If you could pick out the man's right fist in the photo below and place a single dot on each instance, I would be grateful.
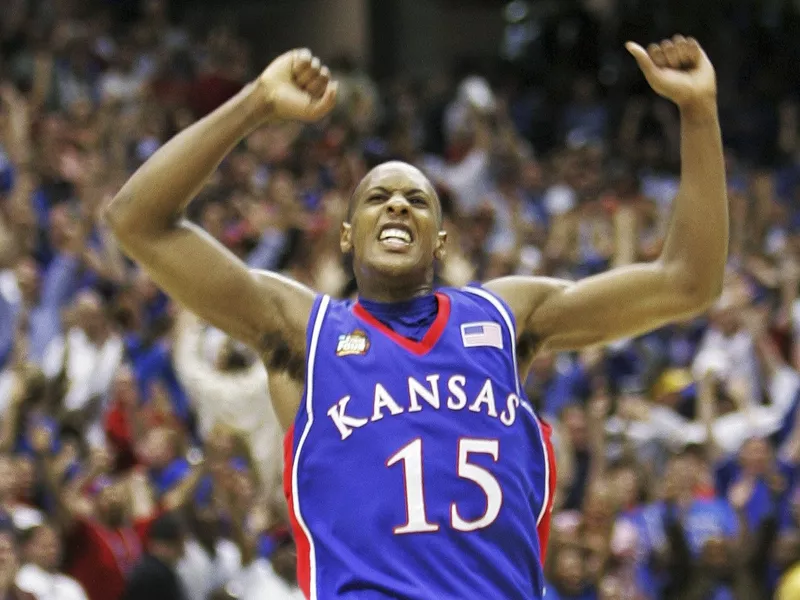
(297, 86)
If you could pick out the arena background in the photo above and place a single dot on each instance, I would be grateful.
(139, 457)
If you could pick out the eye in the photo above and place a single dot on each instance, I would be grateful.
(418, 201)
(376, 198)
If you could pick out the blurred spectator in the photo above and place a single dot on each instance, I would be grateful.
(211, 366)
(154, 577)
(40, 574)
(9, 567)
(88, 356)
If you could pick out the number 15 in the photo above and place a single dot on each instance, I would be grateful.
(411, 457)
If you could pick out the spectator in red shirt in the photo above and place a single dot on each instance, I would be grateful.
(104, 537)
(122, 421)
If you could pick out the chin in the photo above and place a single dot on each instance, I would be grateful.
(398, 266)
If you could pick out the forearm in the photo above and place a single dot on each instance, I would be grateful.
(152, 201)
(696, 246)
(180, 494)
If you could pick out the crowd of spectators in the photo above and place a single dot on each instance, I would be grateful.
(139, 457)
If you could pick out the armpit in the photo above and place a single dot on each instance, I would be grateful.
(527, 347)
(278, 355)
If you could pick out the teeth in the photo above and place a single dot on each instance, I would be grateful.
(394, 233)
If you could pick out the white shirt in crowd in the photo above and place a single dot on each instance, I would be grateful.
(730, 358)
(246, 406)
(201, 573)
(48, 586)
(730, 431)
(90, 371)
(258, 581)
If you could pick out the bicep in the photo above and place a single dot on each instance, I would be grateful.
(205, 277)
(623, 302)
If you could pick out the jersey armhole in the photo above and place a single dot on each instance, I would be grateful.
(506, 317)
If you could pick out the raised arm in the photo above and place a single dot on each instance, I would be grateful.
(261, 309)
(688, 275)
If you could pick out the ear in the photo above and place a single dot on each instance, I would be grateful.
(440, 251)
(346, 238)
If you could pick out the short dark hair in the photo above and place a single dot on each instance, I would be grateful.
(167, 528)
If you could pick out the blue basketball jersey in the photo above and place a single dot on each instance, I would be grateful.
(418, 470)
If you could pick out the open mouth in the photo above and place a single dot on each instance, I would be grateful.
(395, 236)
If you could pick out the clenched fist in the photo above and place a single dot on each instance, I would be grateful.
(678, 70)
(297, 86)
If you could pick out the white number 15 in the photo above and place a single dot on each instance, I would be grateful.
(411, 457)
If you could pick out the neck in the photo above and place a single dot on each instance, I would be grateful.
(389, 289)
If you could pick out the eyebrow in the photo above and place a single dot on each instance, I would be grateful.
(407, 191)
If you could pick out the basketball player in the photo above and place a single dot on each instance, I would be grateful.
(416, 468)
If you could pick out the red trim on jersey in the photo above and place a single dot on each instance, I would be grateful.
(543, 528)
(300, 540)
(432, 336)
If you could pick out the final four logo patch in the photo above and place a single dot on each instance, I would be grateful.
(356, 343)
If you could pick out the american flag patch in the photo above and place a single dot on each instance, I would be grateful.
(475, 335)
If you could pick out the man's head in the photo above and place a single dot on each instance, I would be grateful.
(167, 538)
(112, 504)
(569, 570)
(90, 315)
(160, 447)
(715, 556)
(756, 456)
(8, 477)
(9, 556)
(393, 229)
(42, 547)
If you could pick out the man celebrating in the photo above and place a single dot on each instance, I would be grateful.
(416, 468)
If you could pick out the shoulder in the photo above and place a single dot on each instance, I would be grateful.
(524, 294)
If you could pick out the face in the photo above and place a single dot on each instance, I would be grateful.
(714, 554)
(8, 479)
(575, 422)
(611, 588)
(394, 226)
(680, 477)
(157, 449)
(25, 476)
(569, 570)
(598, 506)
(756, 456)
(626, 484)
(89, 313)
(111, 502)
(44, 548)
(8, 554)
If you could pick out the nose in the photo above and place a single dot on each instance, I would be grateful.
(397, 205)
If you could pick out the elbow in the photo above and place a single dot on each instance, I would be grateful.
(698, 294)
(113, 216)
(695, 288)
(128, 222)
